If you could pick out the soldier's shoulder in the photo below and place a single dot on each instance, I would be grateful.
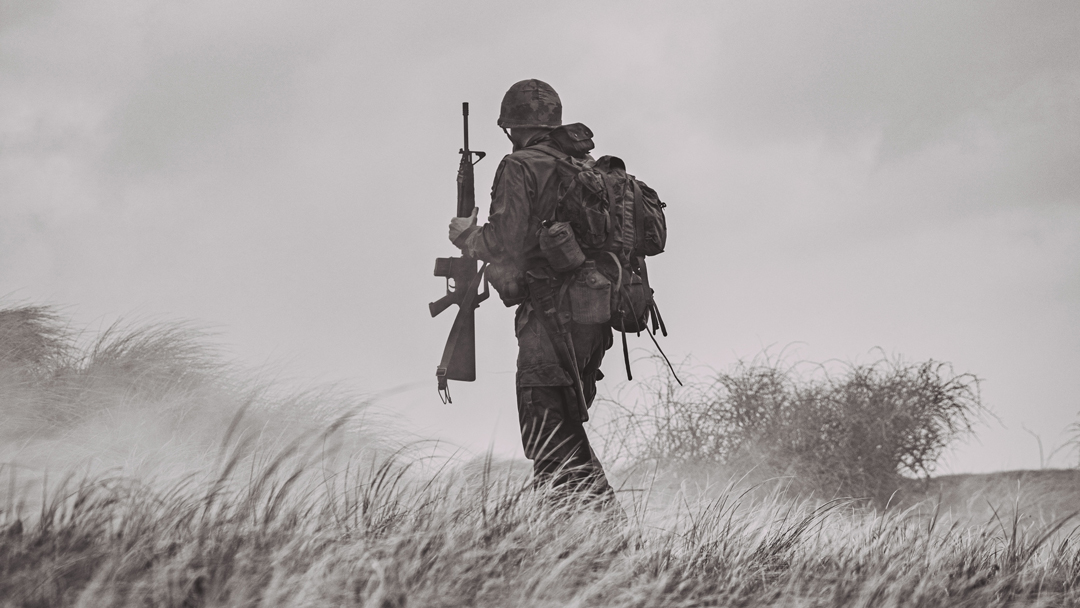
(526, 160)
(529, 156)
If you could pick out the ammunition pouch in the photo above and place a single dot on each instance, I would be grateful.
(508, 281)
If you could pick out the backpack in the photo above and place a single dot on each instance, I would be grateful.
(618, 221)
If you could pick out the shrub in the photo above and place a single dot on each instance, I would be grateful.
(856, 430)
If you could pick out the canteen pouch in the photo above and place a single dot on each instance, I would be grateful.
(590, 295)
(559, 246)
(631, 308)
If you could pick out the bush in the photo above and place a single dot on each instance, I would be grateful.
(857, 432)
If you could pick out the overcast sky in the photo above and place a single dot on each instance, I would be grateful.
(841, 176)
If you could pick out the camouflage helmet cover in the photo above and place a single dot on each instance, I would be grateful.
(530, 103)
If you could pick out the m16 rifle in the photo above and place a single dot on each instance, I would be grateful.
(462, 284)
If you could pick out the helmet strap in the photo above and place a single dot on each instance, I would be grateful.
(540, 133)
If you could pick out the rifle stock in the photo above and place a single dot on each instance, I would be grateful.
(462, 282)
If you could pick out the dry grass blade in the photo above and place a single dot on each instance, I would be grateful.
(283, 513)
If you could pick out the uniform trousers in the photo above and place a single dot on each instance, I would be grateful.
(552, 430)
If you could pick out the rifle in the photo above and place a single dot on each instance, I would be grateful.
(462, 281)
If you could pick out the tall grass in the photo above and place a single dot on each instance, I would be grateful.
(144, 400)
(287, 501)
(378, 537)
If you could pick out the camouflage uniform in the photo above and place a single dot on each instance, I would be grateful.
(525, 191)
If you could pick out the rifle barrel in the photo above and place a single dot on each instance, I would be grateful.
(465, 118)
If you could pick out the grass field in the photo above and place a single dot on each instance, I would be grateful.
(170, 483)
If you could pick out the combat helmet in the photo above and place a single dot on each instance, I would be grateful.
(530, 103)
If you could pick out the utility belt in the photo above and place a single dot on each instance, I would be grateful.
(596, 289)
(561, 261)
(583, 296)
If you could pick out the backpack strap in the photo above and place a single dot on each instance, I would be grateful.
(618, 290)
(610, 189)
(639, 217)
(559, 157)
(653, 338)
(618, 283)
(626, 357)
(549, 150)
(654, 310)
(657, 321)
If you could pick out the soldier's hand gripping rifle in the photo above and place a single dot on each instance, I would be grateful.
(462, 282)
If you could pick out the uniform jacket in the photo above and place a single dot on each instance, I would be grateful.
(526, 190)
(524, 194)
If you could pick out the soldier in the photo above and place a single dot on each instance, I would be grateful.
(524, 194)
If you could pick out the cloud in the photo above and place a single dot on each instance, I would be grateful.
(284, 170)
(981, 94)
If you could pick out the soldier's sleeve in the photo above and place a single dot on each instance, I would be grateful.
(502, 238)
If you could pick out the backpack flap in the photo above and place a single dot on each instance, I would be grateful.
(574, 139)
